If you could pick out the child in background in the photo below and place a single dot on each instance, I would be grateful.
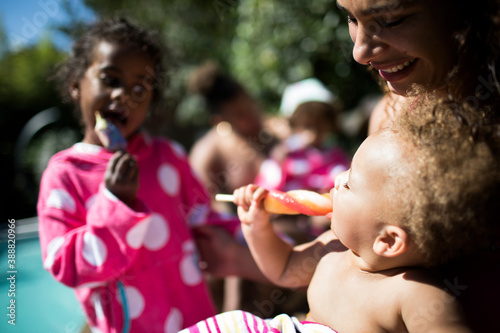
(419, 194)
(116, 226)
(311, 157)
(230, 153)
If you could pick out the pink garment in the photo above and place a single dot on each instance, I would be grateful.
(308, 169)
(243, 322)
(111, 253)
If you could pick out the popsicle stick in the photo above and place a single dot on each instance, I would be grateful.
(224, 197)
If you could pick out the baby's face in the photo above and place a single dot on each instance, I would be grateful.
(360, 195)
(118, 84)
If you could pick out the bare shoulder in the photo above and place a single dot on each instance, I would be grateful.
(204, 146)
(426, 306)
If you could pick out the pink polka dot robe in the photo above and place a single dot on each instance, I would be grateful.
(133, 268)
(307, 169)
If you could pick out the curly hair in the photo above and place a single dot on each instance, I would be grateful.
(450, 190)
(114, 30)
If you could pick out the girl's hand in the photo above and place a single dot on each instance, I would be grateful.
(122, 177)
(250, 201)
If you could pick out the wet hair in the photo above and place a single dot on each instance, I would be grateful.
(215, 86)
(449, 190)
(114, 30)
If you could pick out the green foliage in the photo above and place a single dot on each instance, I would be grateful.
(23, 81)
(24, 91)
(302, 39)
(266, 44)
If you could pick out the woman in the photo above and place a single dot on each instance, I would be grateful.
(444, 47)
(449, 50)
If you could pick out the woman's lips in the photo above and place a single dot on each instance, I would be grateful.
(398, 72)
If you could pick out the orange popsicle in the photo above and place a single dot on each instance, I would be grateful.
(292, 202)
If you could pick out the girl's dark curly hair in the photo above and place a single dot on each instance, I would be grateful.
(115, 30)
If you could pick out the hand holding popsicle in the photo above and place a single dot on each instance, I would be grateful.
(292, 202)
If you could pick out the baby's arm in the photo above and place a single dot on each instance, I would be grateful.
(279, 261)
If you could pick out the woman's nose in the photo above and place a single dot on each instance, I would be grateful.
(367, 43)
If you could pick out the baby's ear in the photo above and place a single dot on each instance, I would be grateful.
(391, 242)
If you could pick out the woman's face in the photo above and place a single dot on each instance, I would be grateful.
(406, 41)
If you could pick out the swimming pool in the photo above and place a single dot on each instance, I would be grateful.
(41, 303)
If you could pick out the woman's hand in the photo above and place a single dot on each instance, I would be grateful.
(122, 177)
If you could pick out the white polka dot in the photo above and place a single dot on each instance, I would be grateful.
(135, 236)
(299, 167)
(334, 172)
(157, 234)
(174, 321)
(110, 196)
(188, 247)
(94, 250)
(52, 249)
(169, 180)
(135, 302)
(95, 330)
(86, 148)
(90, 201)
(190, 271)
(61, 199)
(271, 172)
(91, 285)
(178, 149)
(96, 301)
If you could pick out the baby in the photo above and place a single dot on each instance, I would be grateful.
(419, 194)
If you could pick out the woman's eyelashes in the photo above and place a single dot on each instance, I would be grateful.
(382, 22)
(390, 24)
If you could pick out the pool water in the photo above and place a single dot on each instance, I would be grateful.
(41, 303)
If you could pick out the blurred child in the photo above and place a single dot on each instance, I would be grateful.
(311, 157)
(116, 226)
(230, 153)
(421, 193)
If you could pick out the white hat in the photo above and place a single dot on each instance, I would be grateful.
(308, 90)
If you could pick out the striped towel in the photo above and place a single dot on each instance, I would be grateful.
(244, 322)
